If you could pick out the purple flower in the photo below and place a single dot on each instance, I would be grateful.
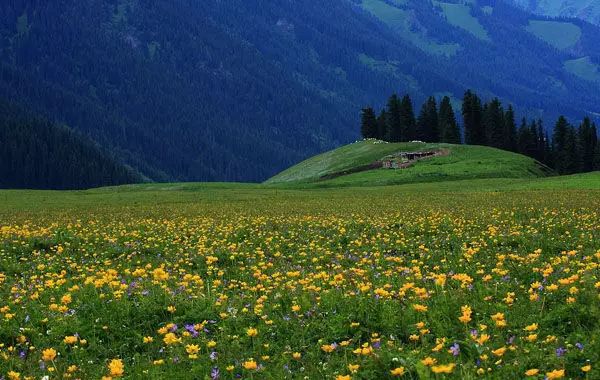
(377, 345)
(174, 328)
(560, 351)
(214, 374)
(579, 346)
(510, 340)
(213, 355)
(474, 332)
(191, 330)
(455, 349)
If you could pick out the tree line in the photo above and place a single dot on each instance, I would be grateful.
(568, 150)
(36, 153)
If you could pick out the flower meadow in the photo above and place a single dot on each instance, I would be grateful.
(352, 286)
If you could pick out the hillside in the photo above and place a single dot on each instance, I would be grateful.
(38, 154)
(337, 167)
(588, 10)
(239, 90)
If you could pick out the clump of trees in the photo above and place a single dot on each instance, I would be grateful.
(570, 150)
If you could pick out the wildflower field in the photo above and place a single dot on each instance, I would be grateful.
(255, 283)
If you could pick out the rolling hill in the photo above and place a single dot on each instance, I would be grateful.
(239, 90)
(349, 166)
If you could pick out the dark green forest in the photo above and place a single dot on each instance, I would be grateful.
(568, 150)
(239, 90)
(38, 154)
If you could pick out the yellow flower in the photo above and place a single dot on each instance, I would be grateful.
(586, 368)
(296, 308)
(531, 327)
(556, 374)
(343, 377)
(419, 308)
(12, 375)
(532, 372)
(192, 349)
(250, 365)
(328, 347)
(446, 368)
(353, 367)
(171, 309)
(500, 351)
(211, 344)
(397, 371)
(297, 355)
(428, 361)
(171, 338)
(48, 354)
(116, 367)
(148, 339)
(251, 332)
(72, 339)
(466, 314)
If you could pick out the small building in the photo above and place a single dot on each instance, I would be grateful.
(403, 160)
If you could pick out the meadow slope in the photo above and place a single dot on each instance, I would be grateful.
(487, 278)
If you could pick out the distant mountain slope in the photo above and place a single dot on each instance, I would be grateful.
(461, 162)
(239, 90)
(588, 10)
(37, 154)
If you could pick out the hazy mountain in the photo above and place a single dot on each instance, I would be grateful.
(238, 90)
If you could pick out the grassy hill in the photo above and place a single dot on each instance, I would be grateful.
(462, 162)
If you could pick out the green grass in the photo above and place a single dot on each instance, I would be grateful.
(463, 162)
(559, 34)
(583, 68)
(400, 20)
(460, 16)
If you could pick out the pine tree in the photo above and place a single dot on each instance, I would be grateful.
(368, 126)
(449, 131)
(541, 143)
(408, 122)
(493, 119)
(428, 122)
(472, 116)
(524, 138)
(510, 130)
(588, 140)
(565, 147)
(382, 125)
(394, 120)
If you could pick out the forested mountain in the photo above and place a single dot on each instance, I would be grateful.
(588, 10)
(238, 90)
(38, 154)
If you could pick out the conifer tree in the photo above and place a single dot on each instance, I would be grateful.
(428, 122)
(541, 144)
(493, 119)
(472, 116)
(449, 131)
(408, 122)
(368, 126)
(382, 125)
(564, 147)
(510, 130)
(588, 139)
(394, 120)
(524, 138)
